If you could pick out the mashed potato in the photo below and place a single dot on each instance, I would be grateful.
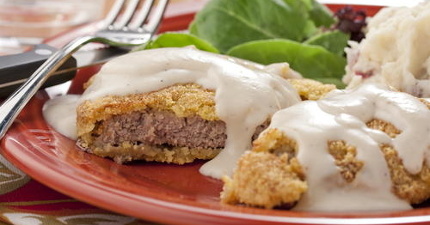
(395, 51)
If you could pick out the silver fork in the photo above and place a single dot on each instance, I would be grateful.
(127, 29)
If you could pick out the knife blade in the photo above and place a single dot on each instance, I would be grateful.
(15, 69)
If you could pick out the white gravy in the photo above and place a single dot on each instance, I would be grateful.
(343, 116)
(247, 94)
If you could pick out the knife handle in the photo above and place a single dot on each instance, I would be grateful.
(15, 69)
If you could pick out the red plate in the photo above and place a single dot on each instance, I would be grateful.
(157, 192)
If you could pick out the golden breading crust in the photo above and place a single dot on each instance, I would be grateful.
(184, 100)
(415, 188)
(268, 176)
(127, 152)
(311, 89)
(254, 177)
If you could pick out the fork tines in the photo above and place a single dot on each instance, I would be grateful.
(134, 14)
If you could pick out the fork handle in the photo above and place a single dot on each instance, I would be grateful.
(12, 106)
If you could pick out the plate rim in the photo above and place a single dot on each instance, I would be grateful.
(55, 182)
(67, 185)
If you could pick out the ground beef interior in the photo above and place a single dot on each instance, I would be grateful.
(162, 128)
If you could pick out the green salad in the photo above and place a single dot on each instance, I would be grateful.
(268, 31)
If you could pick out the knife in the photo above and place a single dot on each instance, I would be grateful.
(15, 69)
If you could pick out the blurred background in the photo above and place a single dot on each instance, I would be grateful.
(24, 23)
(27, 22)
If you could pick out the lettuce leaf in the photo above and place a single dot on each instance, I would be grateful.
(227, 23)
(312, 61)
(268, 31)
(334, 41)
(319, 14)
(180, 40)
